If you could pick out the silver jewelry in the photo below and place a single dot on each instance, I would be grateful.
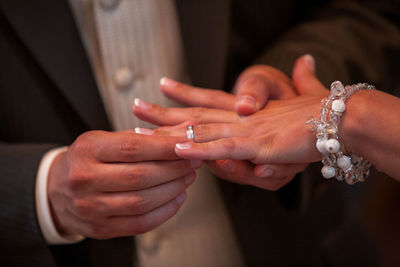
(337, 163)
(190, 132)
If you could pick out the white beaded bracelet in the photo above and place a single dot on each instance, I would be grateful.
(351, 168)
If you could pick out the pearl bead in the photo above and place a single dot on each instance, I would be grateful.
(328, 172)
(321, 145)
(332, 145)
(338, 105)
(344, 162)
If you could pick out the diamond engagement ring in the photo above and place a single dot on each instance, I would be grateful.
(190, 132)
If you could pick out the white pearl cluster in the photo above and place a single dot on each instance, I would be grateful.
(350, 168)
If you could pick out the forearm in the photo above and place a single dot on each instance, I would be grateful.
(371, 126)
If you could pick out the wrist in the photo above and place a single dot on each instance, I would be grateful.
(54, 172)
(356, 121)
(338, 161)
(51, 232)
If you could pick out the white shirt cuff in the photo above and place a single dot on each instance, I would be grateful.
(46, 223)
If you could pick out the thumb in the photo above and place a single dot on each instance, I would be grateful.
(304, 78)
(251, 94)
(259, 83)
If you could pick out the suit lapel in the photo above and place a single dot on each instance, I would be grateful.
(205, 31)
(48, 31)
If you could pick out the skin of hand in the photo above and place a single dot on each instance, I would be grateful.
(277, 134)
(230, 124)
(112, 184)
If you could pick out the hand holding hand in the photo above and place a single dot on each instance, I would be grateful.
(276, 138)
(117, 184)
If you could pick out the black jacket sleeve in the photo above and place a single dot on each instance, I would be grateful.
(352, 41)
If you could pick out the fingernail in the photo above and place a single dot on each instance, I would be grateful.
(164, 81)
(183, 146)
(144, 131)
(180, 198)
(264, 171)
(195, 163)
(189, 179)
(310, 62)
(141, 104)
(227, 165)
(247, 100)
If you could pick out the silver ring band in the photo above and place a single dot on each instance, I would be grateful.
(190, 132)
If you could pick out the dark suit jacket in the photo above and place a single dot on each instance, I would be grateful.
(48, 97)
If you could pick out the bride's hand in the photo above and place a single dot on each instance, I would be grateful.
(275, 138)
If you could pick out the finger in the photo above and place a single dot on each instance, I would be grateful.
(141, 202)
(304, 78)
(117, 226)
(138, 224)
(138, 176)
(240, 148)
(177, 130)
(252, 94)
(236, 171)
(242, 172)
(197, 97)
(259, 83)
(130, 147)
(257, 149)
(278, 170)
(202, 132)
(171, 116)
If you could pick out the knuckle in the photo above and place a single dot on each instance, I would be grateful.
(139, 205)
(130, 145)
(138, 178)
(78, 178)
(161, 111)
(197, 113)
(84, 143)
(202, 133)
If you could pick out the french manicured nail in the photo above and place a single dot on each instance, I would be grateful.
(227, 165)
(310, 61)
(247, 100)
(180, 198)
(141, 104)
(189, 179)
(195, 163)
(265, 171)
(144, 131)
(184, 146)
(164, 81)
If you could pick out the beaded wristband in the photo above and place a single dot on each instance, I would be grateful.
(351, 168)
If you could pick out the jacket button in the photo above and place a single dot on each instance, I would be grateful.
(123, 78)
(109, 4)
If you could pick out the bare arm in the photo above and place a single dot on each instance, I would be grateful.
(371, 128)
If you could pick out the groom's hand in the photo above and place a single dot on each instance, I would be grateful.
(254, 87)
(111, 184)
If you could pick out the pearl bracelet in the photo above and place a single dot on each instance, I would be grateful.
(337, 163)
